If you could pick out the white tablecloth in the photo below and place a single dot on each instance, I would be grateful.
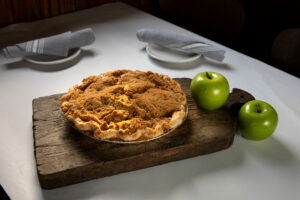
(268, 169)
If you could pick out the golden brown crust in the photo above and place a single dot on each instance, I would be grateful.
(126, 105)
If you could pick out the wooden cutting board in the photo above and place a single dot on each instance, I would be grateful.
(65, 156)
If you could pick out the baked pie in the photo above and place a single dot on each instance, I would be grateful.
(125, 105)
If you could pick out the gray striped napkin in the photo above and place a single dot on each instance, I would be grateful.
(57, 45)
(180, 42)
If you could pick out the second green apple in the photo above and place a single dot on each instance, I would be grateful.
(210, 90)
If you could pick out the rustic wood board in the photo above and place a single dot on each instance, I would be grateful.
(64, 156)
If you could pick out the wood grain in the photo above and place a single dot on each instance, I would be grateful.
(82, 4)
(26, 10)
(66, 6)
(6, 14)
(64, 156)
(54, 7)
(45, 8)
(16, 11)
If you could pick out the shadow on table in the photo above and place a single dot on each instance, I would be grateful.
(271, 151)
(50, 68)
(164, 179)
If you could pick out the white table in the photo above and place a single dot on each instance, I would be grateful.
(268, 169)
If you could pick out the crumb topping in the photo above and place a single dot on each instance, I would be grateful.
(125, 104)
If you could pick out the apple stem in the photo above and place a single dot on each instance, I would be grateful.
(208, 76)
(258, 108)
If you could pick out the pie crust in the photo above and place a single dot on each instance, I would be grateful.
(125, 105)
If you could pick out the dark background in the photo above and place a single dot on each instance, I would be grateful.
(268, 30)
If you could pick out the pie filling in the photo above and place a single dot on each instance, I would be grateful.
(125, 105)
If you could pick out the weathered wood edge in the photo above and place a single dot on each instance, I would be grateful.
(145, 160)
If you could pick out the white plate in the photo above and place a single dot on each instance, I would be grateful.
(170, 55)
(53, 60)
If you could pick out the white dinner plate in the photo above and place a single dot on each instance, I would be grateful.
(53, 60)
(170, 55)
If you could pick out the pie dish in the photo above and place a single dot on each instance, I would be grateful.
(125, 105)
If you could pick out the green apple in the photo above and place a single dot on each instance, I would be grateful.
(210, 90)
(257, 120)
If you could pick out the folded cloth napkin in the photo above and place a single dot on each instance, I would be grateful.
(180, 42)
(57, 45)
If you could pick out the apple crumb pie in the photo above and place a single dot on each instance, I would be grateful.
(125, 105)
